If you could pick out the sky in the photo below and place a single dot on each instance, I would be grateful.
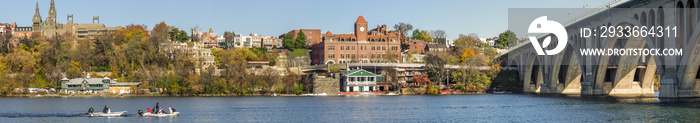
(486, 18)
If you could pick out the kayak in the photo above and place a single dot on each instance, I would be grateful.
(160, 115)
(111, 114)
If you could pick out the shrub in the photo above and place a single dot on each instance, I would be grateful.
(432, 90)
(298, 89)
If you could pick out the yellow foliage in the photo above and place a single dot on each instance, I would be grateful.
(466, 54)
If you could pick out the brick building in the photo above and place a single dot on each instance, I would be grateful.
(416, 46)
(270, 42)
(368, 46)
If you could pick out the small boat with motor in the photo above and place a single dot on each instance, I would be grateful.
(106, 112)
(159, 114)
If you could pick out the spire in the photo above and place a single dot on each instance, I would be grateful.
(37, 6)
(37, 17)
(52, 10)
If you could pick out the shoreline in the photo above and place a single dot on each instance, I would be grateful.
(205, 95)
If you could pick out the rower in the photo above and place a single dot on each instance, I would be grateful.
(90, 110)
(106, 110)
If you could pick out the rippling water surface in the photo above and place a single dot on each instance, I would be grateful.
(414, 108)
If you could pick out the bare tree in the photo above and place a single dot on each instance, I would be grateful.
(270, 77)
(439, 34)
(403, 29)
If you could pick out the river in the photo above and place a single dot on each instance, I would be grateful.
(406, 108)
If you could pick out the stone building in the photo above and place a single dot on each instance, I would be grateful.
(50, 26)
(368, 46)
(328, 85)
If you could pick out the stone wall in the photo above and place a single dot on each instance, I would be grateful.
(328, 85)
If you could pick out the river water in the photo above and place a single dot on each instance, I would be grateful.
(407, 108)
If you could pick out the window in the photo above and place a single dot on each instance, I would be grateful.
(383, 47)
(353, 47)
(372, 47)
(353, 55)
(341, 48)
(372, 56)
(331, 55)
(348, 48)
(342, 56)
(347, 55)
(331, 47)
(352, 79)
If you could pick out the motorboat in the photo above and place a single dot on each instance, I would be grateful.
(111, 114)
(160, 115)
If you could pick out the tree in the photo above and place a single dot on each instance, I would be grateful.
(403, 28)
(178, 35)
(288, 41)
(300, 42)
(423, 35)
(422, 79)
(435, 65)
(467, 42)
(438, 34)
(270, 78)
(507, 39)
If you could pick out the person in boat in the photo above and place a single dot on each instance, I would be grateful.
(149, 111)
(172, 110)
(90, 110)
(155, 109)
(161, 110)
(106, 110)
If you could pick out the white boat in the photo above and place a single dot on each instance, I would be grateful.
(160, 115)
(111, 114)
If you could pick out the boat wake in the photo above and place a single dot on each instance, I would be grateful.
(21, 115)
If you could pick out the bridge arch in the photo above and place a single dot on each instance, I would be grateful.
(625, 74)
(533, 74)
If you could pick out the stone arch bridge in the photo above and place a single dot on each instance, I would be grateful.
(569, 72)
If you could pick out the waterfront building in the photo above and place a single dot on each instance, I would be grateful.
(96, 85)
(358, 80)
(50, 26)
(367, 46)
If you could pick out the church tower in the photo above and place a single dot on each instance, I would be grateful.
(51, 20)
(36, 20)
(361, 29)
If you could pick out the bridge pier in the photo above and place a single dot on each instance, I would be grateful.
(668, 88)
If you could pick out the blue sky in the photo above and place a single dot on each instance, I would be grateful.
(486, 18)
